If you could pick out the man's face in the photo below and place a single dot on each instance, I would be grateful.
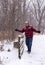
(26, 24)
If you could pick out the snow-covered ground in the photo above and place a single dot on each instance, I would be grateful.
(36, 57)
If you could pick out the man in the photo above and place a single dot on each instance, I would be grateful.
(28, 34)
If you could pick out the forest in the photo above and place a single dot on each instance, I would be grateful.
(14, 13)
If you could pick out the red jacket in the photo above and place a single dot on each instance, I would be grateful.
(28, 31)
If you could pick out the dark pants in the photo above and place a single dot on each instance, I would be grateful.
(29, 43)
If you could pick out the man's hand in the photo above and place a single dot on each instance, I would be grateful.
(16, 29)
(38, 31)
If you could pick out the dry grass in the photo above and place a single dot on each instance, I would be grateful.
(8, 35)
(5, 34)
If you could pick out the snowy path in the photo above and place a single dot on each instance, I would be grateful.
(36, 57)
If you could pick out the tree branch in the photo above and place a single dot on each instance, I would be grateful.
(28, 5)
(35, 10)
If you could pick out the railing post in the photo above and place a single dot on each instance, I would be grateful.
(19, 44)
(19, 54)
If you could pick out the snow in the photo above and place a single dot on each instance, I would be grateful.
(36, 57)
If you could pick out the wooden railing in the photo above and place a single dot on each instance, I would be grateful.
(19, 45)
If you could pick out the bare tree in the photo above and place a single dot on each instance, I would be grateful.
(38, 12)
(12, 14)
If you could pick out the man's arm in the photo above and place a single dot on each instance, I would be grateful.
(20, 30)
(35, 30)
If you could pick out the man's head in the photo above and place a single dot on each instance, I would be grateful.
(26, 23)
